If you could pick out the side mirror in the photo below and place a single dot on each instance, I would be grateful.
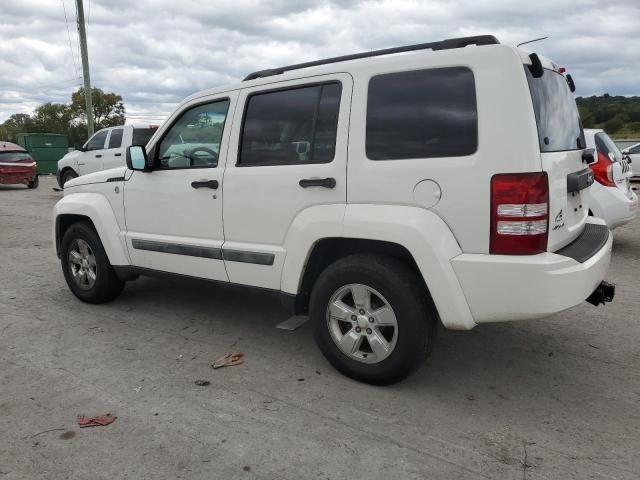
(137, 158)
(78, 147)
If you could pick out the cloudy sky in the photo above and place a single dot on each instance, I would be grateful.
(156, 52)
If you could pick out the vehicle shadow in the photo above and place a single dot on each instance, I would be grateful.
(499, 361)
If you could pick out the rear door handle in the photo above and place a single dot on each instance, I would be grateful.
(117, 155)
(328, 182)
(212, 184)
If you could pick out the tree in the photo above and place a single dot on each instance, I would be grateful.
(52, 118)
(108, 109)
(16, 123)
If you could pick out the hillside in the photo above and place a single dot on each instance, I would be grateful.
(618, 116)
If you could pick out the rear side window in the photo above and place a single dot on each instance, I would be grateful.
(115, 140)
(422, 114)
(141, 136)
(290, 127)
(605, 145)
(557, 116)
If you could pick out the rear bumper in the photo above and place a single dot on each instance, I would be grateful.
(8, 177)
(520, 287)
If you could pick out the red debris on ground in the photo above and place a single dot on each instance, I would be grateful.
(85, 421)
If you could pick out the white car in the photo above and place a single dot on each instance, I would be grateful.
(612, 198)
(378, 193)
(633, 153)
(104, 150)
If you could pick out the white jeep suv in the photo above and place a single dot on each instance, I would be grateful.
(380, 193)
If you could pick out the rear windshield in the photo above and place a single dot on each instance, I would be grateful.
(141, 136)
(557, 116)
(605, 145)
(14, 156)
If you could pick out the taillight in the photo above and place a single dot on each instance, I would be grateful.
(603, 170)
(519, 213)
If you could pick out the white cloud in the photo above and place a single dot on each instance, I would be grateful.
(155, 53)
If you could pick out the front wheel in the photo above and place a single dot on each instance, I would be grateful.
(33, 183)
(373, 319)
(86, 267)
(68, 175)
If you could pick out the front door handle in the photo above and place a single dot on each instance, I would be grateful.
(212, 184)
(99, 156)
(328, 182)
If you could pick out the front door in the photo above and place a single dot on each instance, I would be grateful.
(91, 160)
(291, 157)
(174, 213)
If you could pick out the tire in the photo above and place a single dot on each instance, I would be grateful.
(388, 281)
(102, 284)
(68, 175)
(33, 183)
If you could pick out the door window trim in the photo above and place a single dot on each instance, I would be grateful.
(282, 89)
(156, 146)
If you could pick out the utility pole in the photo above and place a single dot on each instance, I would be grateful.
(85, 67)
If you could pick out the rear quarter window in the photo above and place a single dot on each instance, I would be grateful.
(422, 114)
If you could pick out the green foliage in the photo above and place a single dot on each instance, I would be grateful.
(70, 119)
(619, 116)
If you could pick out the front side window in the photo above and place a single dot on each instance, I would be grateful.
(290, 127)
(193, 141)
(557, 116)
(97, 141)
(115, 140)
(422, 114)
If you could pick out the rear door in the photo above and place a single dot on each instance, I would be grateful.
(113, 155)
(561, 145)
(290, 155)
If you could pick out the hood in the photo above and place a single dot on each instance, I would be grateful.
(111, 175)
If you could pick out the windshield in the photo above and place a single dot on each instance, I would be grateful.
(10, 157)
(141, 136)
(557, 116)
(605, 145)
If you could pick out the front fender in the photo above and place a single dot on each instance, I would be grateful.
(96, 208)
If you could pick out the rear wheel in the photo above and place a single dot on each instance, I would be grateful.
(372, 317)
(68, 175)
(86, 267)
(33, 183)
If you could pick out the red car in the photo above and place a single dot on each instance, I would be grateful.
(17, 166)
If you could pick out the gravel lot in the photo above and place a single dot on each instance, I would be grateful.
(556, 398)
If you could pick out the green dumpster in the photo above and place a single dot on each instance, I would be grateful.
(45, 148)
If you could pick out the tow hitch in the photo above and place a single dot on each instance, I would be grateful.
(603, 294)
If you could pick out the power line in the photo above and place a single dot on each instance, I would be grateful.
(66, 21)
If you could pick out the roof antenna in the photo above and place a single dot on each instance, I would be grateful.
(531, 41)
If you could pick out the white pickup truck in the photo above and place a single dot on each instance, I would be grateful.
(104, 150)
(381, 194)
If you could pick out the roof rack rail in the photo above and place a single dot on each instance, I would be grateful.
(441, 45)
